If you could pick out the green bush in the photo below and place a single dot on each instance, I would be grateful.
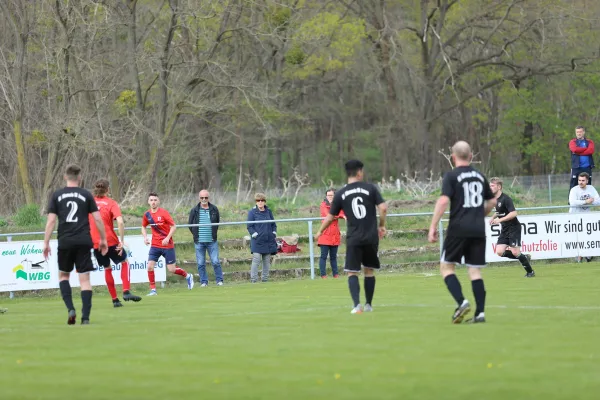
(28, 215)
(3, 223)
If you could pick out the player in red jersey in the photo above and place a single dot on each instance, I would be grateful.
(110, 211)
(163, 228)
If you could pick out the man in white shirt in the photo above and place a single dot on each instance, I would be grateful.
(582, 195)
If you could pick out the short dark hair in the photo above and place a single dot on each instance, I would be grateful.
(580, 127)
(330, 190)
(72, 172)
(587, 176)
(152, 194)
(352, 167)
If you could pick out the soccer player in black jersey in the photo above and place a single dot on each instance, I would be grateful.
(509, 241)
(360, 202)
(471, 199)
(71, 205)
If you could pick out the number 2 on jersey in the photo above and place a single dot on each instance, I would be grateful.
(358, 210)
(473, 193)
(72, 211)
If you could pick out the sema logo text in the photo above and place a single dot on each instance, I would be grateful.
(32, 272)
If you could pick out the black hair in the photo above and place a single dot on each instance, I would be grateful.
(352, 167)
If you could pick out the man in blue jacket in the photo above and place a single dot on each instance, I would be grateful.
(582, 150)
(205, 237)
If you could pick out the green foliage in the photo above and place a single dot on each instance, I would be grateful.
(28, 215)
(126, 101)
(295, 55)
(278, 17)
(3, 223)
(327, 42)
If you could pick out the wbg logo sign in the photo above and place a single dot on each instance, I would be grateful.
(32, 272)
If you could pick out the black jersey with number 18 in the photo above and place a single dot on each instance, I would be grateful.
(359, 200)
(72, 206)
(468, 190)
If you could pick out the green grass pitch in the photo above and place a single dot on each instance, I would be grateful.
(298, 340)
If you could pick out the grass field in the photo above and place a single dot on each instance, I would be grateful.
(297, 340)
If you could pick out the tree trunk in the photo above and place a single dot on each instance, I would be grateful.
(277, 164)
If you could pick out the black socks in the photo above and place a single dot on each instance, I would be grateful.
(354, 287)
(369, 288)
(86, 299)
(525, 262)
(454, 287)
(479, 293)
(66, 293)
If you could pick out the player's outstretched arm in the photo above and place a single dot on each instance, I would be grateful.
(440, 207)
(508, 217)
(121, 226)
(382, 208)
(50, 223)
(170, 235)
(326, 222)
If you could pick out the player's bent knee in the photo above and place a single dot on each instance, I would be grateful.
(447, 269)
(171, 267)
(515, 252)
(474, 273)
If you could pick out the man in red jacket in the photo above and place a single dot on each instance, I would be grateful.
(582, 150)
(330, 240)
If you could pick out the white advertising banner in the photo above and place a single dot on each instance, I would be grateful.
(552, 236)
(23, 267)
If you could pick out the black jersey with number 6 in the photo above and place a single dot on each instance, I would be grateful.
(359, 200)
(72, 206)
(468, 190)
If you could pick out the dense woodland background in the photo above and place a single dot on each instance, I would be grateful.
(238, 95)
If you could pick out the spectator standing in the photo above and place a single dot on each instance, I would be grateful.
(262, 242)
(330, 240)
(205, 237)
(582, 150)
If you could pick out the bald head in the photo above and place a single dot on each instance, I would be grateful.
(203, 195)
(462, 151)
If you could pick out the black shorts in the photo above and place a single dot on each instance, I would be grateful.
(112, 254)
(361, 255)
(511, 236)
(78, 257)
(472, 249)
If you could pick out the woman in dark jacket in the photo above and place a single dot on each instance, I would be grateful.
(330, 240)
(262, 242)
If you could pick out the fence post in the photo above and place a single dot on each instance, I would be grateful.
(11, 295)
(441, 236)
(550, 189)
(311, 250)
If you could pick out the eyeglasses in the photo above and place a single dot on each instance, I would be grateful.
(260, 201)
(203, 198)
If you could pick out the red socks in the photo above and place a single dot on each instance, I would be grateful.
(152, 279)
(125, 276)
(110, 283)
(179, 271)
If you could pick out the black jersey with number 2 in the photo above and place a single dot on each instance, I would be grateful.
(468, 190)
(72, 206)
(359, 200)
